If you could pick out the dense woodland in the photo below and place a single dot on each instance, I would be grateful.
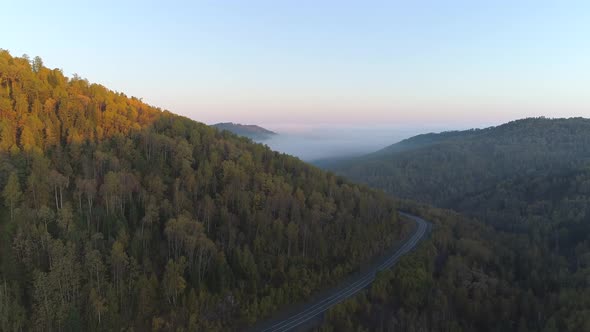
(117, 215)
(470, 277)
(525, 268)
(442, 168)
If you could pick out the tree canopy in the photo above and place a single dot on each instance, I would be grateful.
(524, 267)
(117, 215)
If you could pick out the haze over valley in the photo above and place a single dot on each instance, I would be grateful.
(312, 143)
(284, 166)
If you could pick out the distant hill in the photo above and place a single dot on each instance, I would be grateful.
(442, 168)
(528, 179)
(253, 132)
(424, 140)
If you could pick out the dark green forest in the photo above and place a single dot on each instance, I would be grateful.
(119, 216)
(443, 168)
(518, 259)
(470, 277)
(116, 215)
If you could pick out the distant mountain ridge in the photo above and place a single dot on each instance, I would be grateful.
(528, 179)
(440, 168)
(424, 140)
(253, 132)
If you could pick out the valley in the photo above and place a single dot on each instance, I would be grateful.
(320, 166)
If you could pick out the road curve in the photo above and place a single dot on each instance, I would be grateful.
(320, 306)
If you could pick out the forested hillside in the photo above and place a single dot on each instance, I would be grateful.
(524, 267)
(441, 168)
(470, 277)
(117, 216)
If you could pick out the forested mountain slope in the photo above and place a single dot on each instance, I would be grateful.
(529, 179)
(441, 168)
(116, 215)
(470, 277)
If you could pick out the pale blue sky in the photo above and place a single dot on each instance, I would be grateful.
(301, 63)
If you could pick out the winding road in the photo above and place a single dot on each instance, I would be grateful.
(312, 310)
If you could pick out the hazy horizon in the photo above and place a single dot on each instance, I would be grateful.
(123, 209)
(309, 63)
(312, 143)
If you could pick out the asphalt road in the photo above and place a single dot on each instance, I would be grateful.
(316, 308)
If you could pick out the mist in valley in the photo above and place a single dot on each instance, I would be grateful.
(324, 142)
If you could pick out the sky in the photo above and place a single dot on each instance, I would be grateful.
(294, 65)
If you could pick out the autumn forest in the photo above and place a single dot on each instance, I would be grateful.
(119, 216)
